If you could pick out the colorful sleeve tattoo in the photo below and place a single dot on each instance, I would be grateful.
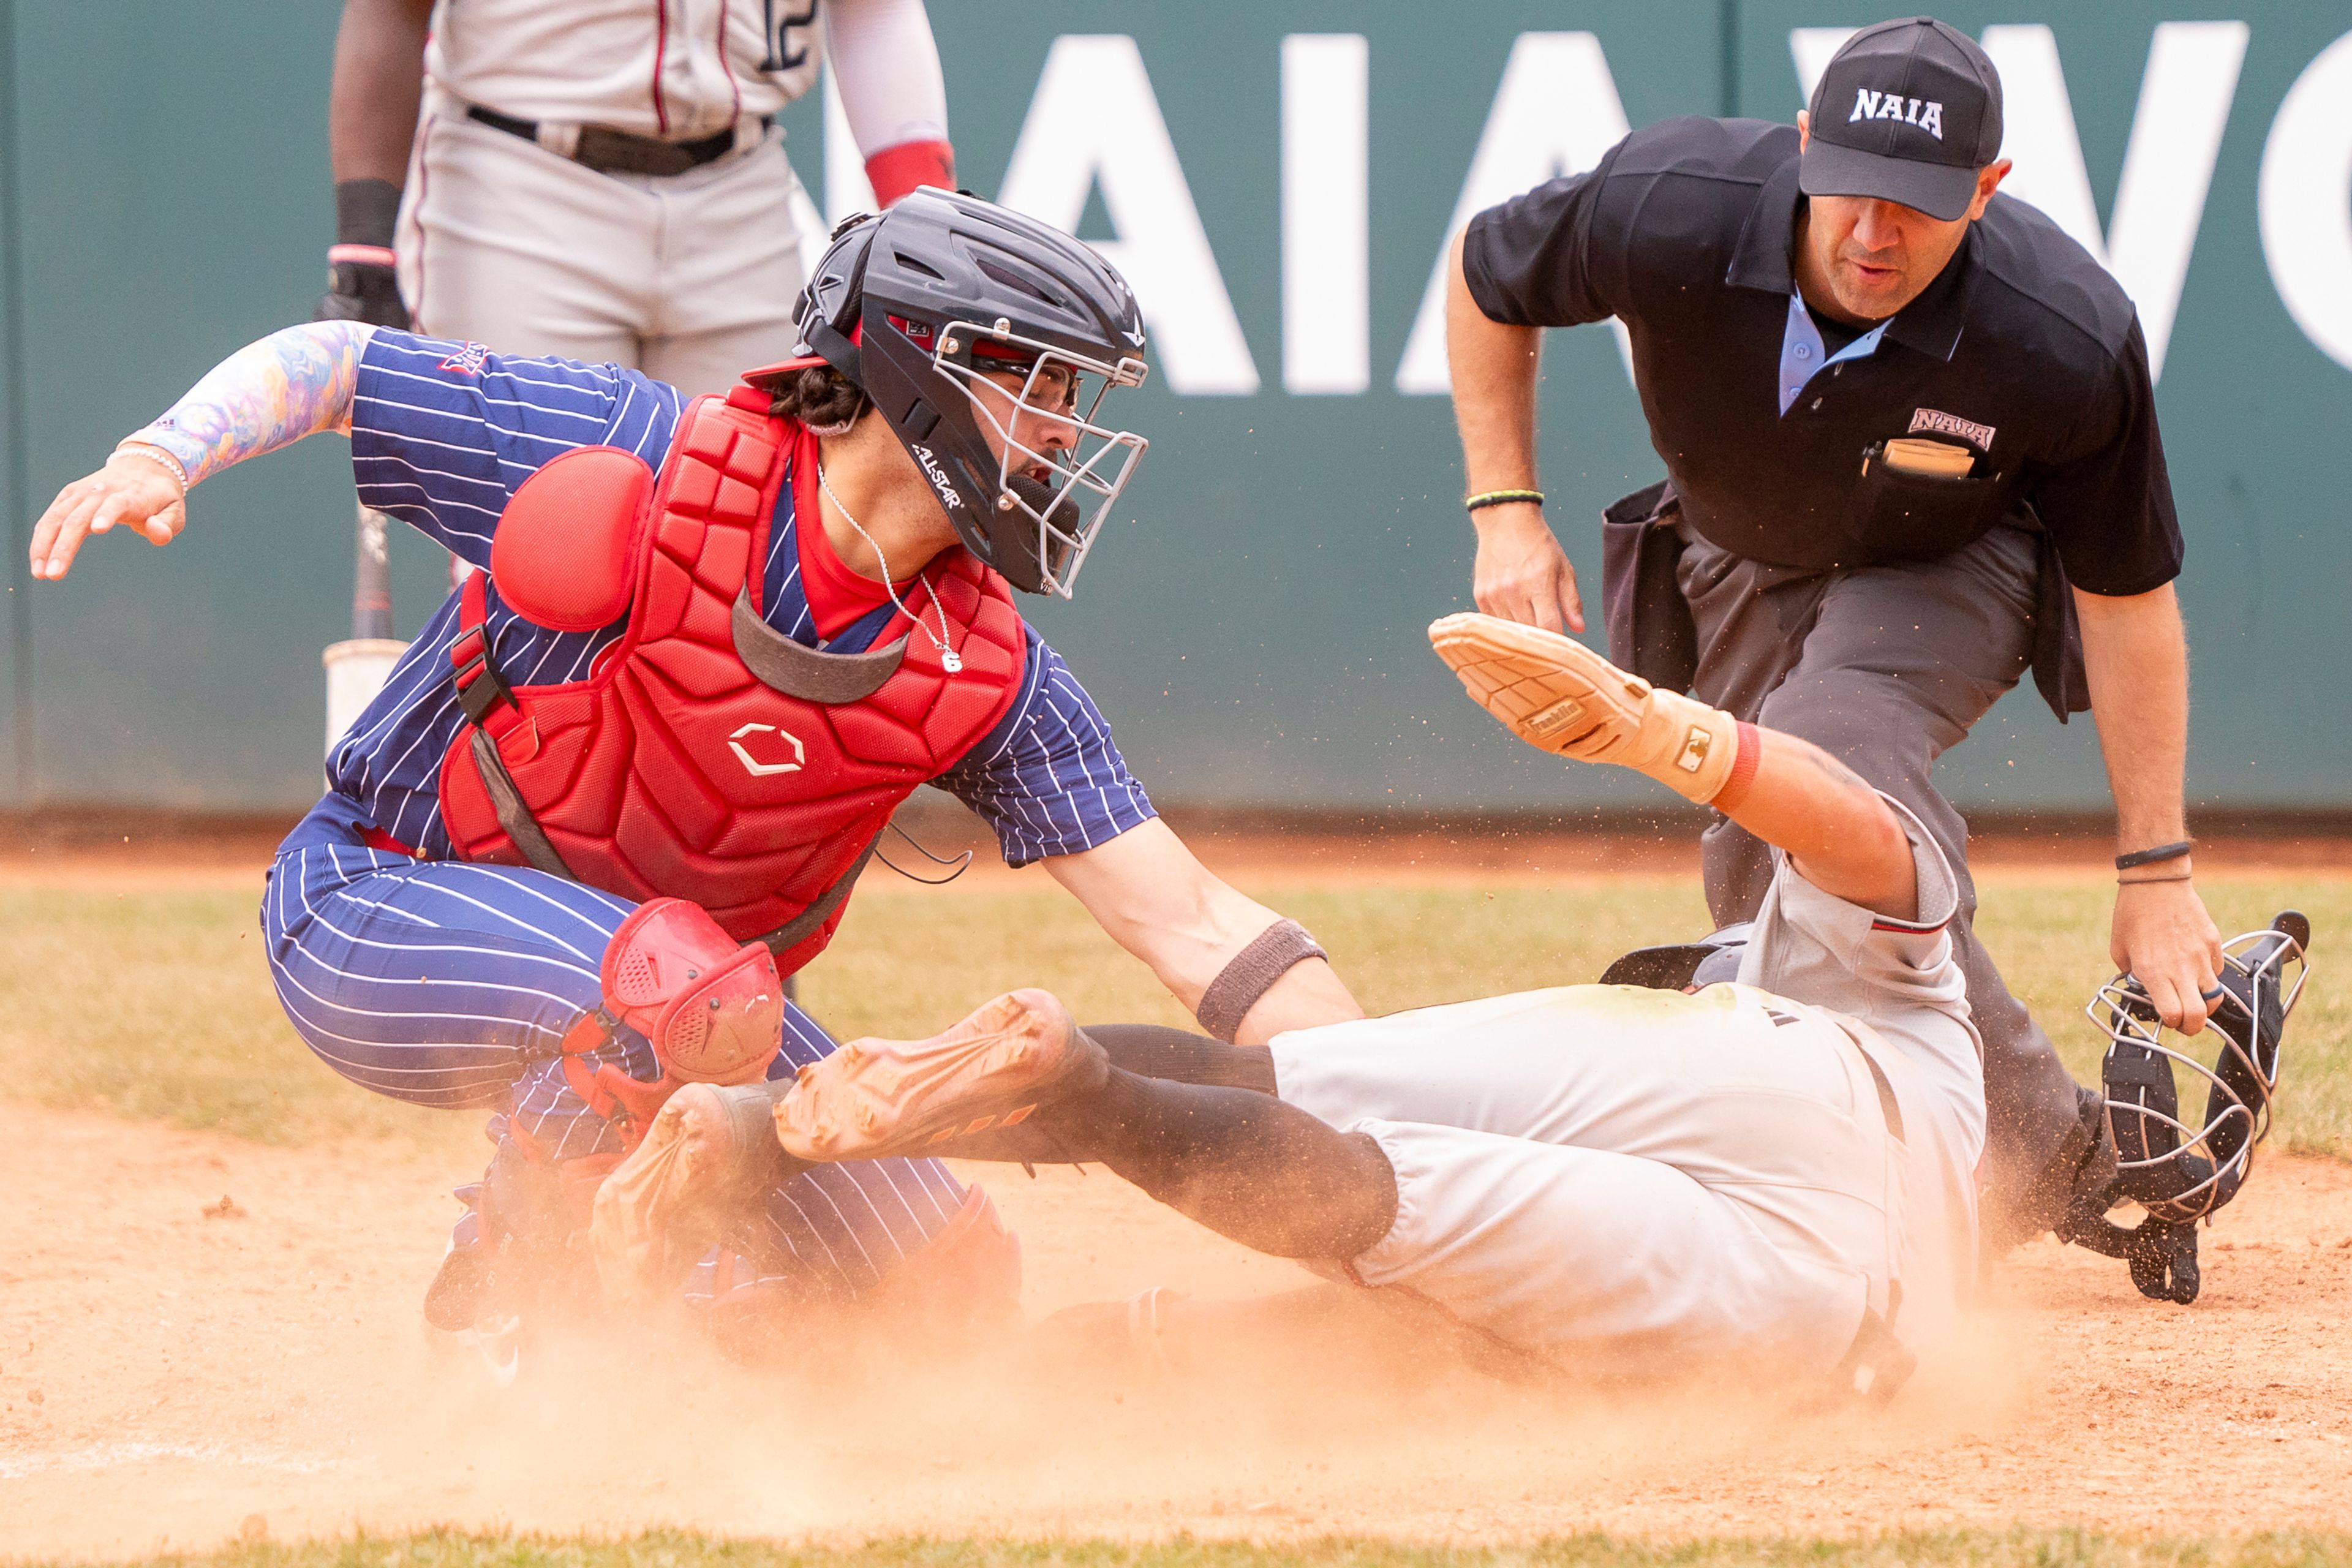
(267, 395)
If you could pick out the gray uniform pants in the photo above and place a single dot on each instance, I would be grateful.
(1886, 668)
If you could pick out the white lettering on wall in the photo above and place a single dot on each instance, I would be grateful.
(2176, 137)
(1326, 213)
(1812, 49)
(1095, 119)
(1556, 113)
(2306, 201)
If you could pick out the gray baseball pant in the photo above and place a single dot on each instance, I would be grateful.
(1887, 668)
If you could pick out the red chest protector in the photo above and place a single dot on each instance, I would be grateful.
(706, 757)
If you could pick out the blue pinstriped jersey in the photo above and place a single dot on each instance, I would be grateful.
(442, 435)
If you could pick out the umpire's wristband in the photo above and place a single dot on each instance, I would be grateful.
(1485, 499)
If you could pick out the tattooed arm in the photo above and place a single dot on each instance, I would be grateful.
(265, 396)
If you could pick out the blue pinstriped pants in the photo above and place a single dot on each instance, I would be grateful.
(449, 985)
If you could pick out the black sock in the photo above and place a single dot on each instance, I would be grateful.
(1267, 1174)
(1151, 1050)
(1147, 1050)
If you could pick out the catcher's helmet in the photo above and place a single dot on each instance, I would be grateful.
(916, 304)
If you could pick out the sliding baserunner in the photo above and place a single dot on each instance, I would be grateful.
(622, 784)
(1782, 1167)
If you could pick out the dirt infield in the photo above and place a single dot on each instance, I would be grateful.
(206, 1336)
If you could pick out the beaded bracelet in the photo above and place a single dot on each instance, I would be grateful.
(157, 456)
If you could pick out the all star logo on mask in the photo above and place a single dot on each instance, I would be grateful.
(1928, 116)
(939, 477)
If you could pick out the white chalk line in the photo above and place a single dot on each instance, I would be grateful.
(110, 1455)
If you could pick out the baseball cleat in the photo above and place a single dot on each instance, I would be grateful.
(874, 1098)
(1559, 696)
(708, 1153)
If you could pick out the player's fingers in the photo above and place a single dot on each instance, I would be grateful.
(166, 525)
(1571, 603)
(73, 498)
(45, 529)
(116, 507)
(66, 538)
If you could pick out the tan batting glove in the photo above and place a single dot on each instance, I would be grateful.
(1559, 696)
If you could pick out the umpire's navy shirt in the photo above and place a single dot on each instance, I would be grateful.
(2023, 350)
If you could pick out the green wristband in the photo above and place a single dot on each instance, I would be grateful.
(1502, 498)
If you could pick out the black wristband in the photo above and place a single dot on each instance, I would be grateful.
(2150, 857)
(1251, 974)
(366, 212)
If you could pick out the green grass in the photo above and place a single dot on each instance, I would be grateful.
(665, 1548)
(157, 1005)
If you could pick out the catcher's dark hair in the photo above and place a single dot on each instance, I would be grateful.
(822, 399)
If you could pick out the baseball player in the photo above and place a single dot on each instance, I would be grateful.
(1911, 450)
(624, 781)
(1595, 1175)
(604, 181)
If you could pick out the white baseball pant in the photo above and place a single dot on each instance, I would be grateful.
(1653, 1177)
(690, 277)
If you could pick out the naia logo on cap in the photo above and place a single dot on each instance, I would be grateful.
(1869, 105)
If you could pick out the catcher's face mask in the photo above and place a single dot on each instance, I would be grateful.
(1058, 466)
(2181, 1173)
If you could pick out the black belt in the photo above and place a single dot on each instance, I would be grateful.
(611, 151)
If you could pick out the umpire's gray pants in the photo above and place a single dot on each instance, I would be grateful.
(1886, 668)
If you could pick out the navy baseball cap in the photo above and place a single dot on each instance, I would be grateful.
(1908, 111)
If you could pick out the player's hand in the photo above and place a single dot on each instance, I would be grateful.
(2164, 939)
(1522, 574)
(130, 492)
(362, 291)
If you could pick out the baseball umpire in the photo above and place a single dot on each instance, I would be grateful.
(604, 181)
(1911, 453)
(624, 781)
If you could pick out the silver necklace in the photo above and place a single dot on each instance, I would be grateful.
(950, 660)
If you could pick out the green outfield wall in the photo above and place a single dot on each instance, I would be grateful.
(1277, 178)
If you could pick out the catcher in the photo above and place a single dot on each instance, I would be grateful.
(623, 782)
(1779, 1169)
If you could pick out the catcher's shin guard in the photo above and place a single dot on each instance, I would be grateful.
(1559, 696)
(712, 1008)
(2176, 1173)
